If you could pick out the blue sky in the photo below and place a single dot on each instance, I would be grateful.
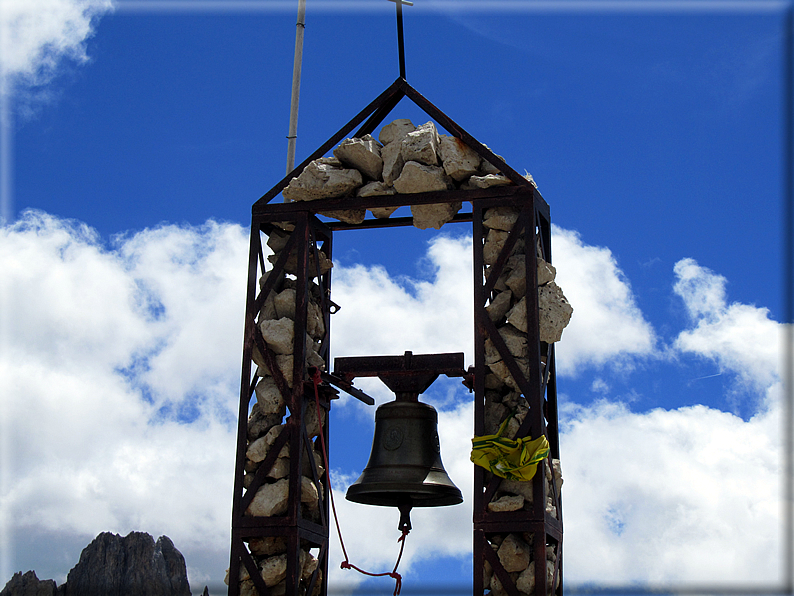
(140, 133)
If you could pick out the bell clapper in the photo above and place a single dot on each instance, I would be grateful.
(405, 515)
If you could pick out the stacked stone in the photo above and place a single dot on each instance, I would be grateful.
(517, 556)
(405, 159)
(271, 557)
(503, 399)
(276, 321)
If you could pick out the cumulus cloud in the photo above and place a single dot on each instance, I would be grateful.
(121, 368)
(106, 355)
(384, 315)
(738, 337)
(35, 35)
(685, 497)
(607, 326)
(690, 495)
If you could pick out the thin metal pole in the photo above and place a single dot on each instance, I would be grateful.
(292, 136)
(400, 41)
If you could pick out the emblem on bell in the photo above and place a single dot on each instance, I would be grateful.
(404, 468)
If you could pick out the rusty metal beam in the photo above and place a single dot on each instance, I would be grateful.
(395, 87)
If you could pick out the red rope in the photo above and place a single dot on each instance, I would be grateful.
(346, 563)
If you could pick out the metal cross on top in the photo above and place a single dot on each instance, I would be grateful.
(400, 41)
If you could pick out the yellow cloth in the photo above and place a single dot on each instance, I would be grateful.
(514, 459)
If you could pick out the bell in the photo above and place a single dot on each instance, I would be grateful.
(404, 468)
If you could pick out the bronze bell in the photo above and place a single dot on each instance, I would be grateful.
(404, 468)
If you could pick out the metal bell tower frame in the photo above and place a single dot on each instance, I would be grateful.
(310, 242)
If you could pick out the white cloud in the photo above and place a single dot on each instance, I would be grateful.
(686, 496)
(121, 373)
(381, 315)
(739, 337)
(88, 367)
(35, 35)
(607, 327)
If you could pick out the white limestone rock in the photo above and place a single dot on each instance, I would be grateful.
(280, 468)
(269, 397)
(362, 154)
(500, 218)
(393, 162)
(306, 469)
(351, 216)
(376, 188)
(268, 545)
(517, 487)
(513, 553)
(324, 178)
(291, 266)
(551, 509)
(259, 424)
(285, 304)
(494, 242)
(495, 413)
(517, 316)
(395, 131)
(553, 309)
(257, 451)
(383, 212)
(492, 355)
(421, 145)
(418, 177)
(313, 427)
(309, 494)
(496, 586)
(546, 272)
(486, 167)
(499, 306)
(315, 323)
(279, 334)
(283, 361)
(557, 475)
(274, 569)
(458, 159)
(488, 181)
(313, 357)
(487, 574)
(270, 500)
(507, 503)
(492, 381)
(500, 285)
(515, 340)
(555, 312)
(244, 575)
(500, 370)
(268, 310)
(308, 564)
(277, 240)
(516, 280)
(434, 216)
(526, 580)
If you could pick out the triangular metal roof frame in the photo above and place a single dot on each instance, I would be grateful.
(374, 114)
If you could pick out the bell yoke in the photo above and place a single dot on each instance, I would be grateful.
(404, 468)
